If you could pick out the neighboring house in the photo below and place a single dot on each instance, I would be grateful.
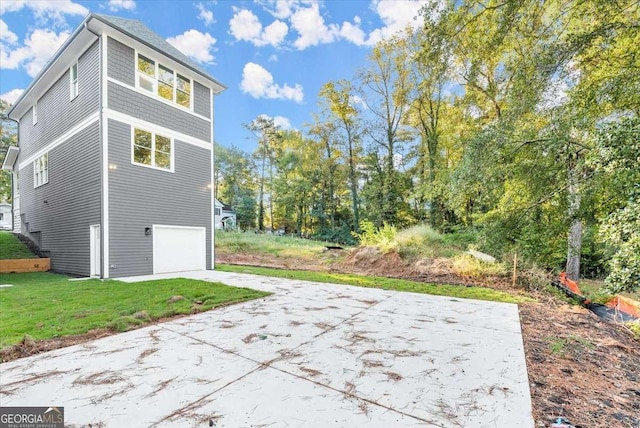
(225, 216)
(5, 216)
(115, 154)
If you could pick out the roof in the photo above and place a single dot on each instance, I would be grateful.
(85, 32)
(137, 30)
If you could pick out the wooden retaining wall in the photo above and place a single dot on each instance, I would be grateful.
(25, 265)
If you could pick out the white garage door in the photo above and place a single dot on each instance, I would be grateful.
(178, 248)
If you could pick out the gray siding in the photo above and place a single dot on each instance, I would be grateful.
(130, 102)
(56, 112)
(140, 197)
(58, 214)
(121, 62)
(201, 99)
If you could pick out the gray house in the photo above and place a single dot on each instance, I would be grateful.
(114, 161)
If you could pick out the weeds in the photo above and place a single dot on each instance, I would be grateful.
(470, 267)
(560, 346)
(383, 238)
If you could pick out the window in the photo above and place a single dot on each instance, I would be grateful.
(163, 81)
(35, 112)
(73, 80)
(217, 211)
(41, 170)
(152, 150)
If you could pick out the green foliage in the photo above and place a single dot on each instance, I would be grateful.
(340, 235)
(615, 161)
(8, 137)
(383, 238)
(634, 327)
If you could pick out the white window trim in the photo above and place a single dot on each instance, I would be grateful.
(74, 87)
(156, 78)
(153, 150)
(40, 175)
(34, 112)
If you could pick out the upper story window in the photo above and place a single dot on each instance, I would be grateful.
(41, 170)
(151, 149)
(73, 81)
(163, 81)
(34, 111)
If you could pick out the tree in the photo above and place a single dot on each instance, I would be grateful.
(266, 132)
(8, 137)
(385, 87)
(615, 162)
(341, 111)
(235, 183)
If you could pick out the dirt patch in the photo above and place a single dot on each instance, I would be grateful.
(30, 347)
(580, 367)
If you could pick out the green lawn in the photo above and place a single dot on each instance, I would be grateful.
(481, 293)
(12, 248)
(272, 245)
(46, 305)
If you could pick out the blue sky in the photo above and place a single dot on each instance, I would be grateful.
(273, 55)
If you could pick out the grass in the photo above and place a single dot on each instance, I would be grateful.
(278, 246)
(12, 248)
(45, 305)
(592, 289)
(480, 293)
(560, 346)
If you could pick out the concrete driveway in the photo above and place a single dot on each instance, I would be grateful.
(310, 355)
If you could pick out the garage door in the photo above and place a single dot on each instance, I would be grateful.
(178, 248)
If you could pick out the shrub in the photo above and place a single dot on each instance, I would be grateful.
(383, 238)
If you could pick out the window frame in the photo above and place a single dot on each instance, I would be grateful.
(41, 170)
(153, 150)
(74, 87)
(34, 112)
(155, 81)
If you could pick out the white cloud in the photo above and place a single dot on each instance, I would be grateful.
(194, 44)
(273, 58)
(116, 5)
(244, 25)
(38, 47)
(205, 14)
(258, 82)
(282, 122)
(7, 36)
(45, 11)
(12, 95)
(353, 33)
(283, 9)
(311, 27)
(396, 15)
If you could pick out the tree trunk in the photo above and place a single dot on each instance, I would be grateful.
(574, 247)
